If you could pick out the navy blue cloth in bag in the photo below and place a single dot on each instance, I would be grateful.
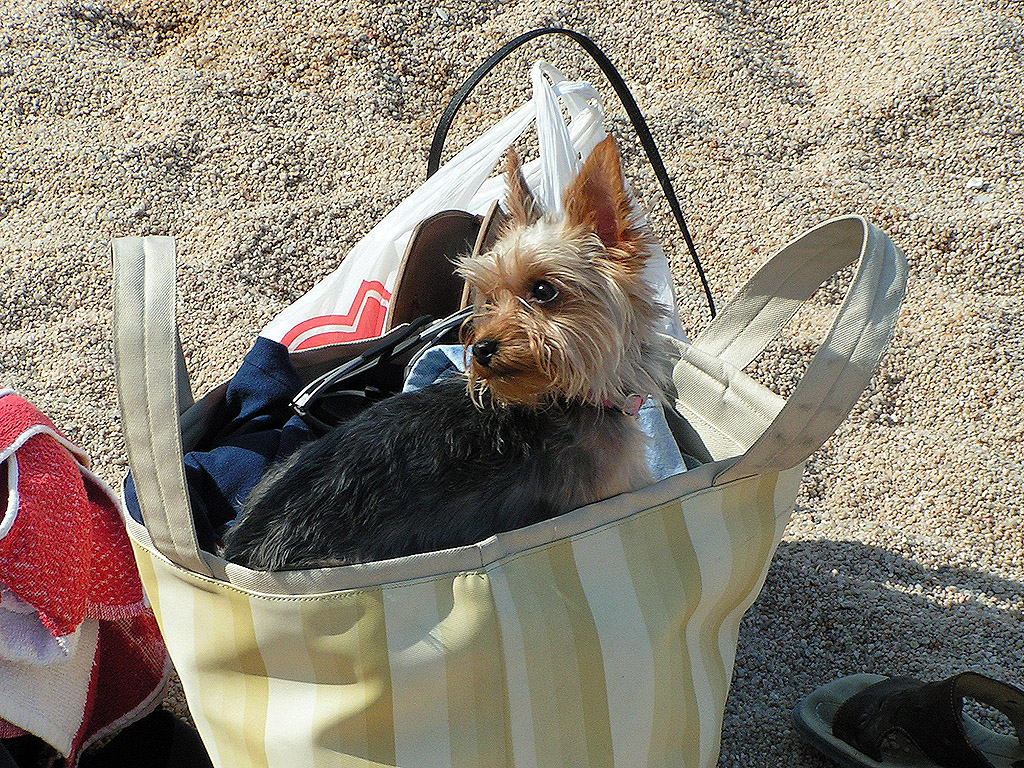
(257, 427)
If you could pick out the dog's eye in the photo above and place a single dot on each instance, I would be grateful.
(543, 291)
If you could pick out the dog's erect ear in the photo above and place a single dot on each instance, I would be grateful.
(597, 199)
(522, 205)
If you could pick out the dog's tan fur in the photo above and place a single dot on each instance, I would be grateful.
(597, 341)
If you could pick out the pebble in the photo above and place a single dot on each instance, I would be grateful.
(268, 143)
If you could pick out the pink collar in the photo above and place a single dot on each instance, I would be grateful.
(631, 406)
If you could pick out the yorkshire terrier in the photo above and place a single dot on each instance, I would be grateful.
(563, 344)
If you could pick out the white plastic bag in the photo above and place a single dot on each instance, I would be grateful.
(351, 303)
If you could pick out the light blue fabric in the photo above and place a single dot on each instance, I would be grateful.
(434, 363)
(663, 455)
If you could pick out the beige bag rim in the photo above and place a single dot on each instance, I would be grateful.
(478, 557)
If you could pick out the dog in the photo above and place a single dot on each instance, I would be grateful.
(563, 344)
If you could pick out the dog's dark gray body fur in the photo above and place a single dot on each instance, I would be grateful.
(429, 470)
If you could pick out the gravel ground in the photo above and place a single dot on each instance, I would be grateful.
(268, 137)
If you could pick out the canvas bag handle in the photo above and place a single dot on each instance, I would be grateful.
(842, 367)
(153, 390)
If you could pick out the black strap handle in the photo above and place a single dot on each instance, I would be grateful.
(628, 102)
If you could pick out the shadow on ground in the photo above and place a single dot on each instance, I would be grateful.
(833, 608)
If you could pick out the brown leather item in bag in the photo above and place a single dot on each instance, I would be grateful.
(426, 282)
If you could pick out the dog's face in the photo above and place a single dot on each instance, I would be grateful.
(561, 308)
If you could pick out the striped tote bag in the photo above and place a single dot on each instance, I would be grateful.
(604, 637)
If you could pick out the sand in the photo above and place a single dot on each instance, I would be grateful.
(268, 137)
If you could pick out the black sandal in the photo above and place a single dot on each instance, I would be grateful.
(870, 720)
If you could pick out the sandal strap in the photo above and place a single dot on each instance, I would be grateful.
(929, 714)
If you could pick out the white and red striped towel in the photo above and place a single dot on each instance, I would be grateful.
(80, 652)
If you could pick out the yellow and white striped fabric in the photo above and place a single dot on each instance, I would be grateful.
(602, 638)
(612, 647)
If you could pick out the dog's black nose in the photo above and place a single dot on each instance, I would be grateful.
(484, 350)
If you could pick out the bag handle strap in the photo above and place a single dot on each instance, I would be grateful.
(842, 367)
(625, 97)
(153, 388)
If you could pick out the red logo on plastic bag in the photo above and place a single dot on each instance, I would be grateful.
(364, 320)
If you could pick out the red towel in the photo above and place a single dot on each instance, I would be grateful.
(64, 551)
